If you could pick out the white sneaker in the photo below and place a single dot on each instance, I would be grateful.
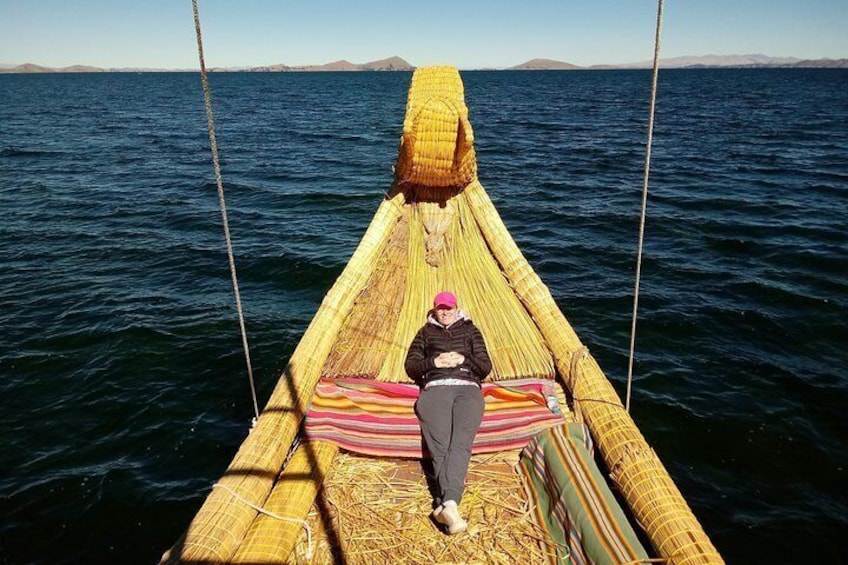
(448, 515)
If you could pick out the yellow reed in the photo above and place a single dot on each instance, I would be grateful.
(437, 144)
(650, 492)
(273, 535)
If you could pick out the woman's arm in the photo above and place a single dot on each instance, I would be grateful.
(418, 363)
(478, 358)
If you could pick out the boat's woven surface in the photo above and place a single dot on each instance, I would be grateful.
(272, 535)
(437, 145)
(375, 337)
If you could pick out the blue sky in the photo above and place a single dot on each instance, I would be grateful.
(467, 34)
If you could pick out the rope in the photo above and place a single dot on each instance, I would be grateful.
(270, 514)
(654, 74)
(576, 356)
(207, 98)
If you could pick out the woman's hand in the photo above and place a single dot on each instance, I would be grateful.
(443, 361)
(449, 360)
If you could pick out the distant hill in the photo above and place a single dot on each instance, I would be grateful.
(334, 66)
(279, 68)
(704, 61)
(736, 61)
(823, 63)
(398, 64)
(391, 64)
(32, 68)
(80, 69)
(150, 70)
(28, 68)
(717, 61)
(543, 65)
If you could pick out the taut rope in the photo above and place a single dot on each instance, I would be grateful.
(275, 516)
(654, 74)
(207, 98)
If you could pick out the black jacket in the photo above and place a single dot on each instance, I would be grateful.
(463, 337)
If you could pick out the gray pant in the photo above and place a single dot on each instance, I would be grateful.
(449, 417)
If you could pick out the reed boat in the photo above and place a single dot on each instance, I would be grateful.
(333, 470)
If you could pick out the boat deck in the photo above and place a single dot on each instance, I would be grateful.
(374, 510)
(378, 511)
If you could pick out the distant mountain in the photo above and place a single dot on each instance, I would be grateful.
(398, 64)
(80, 69)
(28, 68)
(543, 65)
(279, 68)
(390, 64)
(32, 68)
(150, 70)
(704, 61)
(739, 61)
(725, 61)
(823, 63)
(334, 66)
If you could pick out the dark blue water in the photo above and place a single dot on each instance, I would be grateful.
(124, 394)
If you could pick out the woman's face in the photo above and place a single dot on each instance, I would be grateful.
(446, 316)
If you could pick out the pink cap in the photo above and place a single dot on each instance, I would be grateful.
(444, 300)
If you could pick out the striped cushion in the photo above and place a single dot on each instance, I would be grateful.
(378, 418)
(572, 501)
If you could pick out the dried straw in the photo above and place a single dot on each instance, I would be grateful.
(380, 511)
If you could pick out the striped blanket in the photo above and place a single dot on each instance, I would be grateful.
(572, 501)
(377, 418)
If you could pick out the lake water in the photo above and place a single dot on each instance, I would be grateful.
(124, 393)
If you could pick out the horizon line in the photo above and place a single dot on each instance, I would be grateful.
(685, 61)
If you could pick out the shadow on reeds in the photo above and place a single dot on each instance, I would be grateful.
(422, 193)
(430, 477)
(176, 553)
